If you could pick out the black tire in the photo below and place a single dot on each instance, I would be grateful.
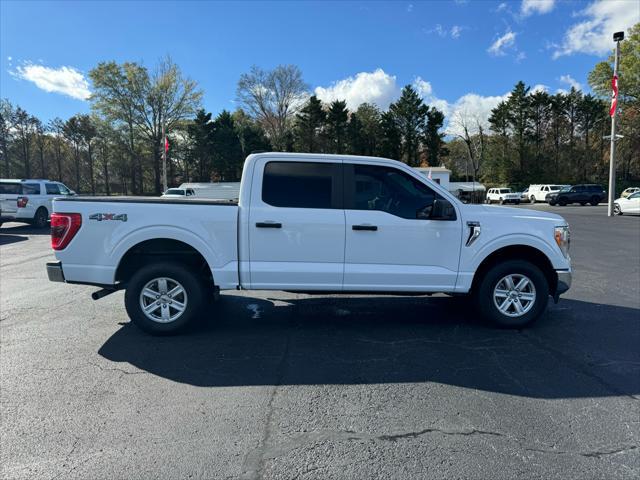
(583, 203)
(517, 202)
(41, 218)
(501, 201)
(562, 202)
(532, 199)
(616, 209)
(594, 201)
(553, 204)
(190, 281)
(483, 293)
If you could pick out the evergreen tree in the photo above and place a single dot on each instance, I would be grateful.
(200, 137)
(410, 114)
(519, 118)
(391, 143)
(309, 126)
(227, 150)
(355, 136)
(371, 129)
(336, 131)
(433, 138)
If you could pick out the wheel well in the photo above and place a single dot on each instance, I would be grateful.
(162, 249)
(518, 252)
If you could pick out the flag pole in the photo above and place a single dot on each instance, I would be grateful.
(617, 37)
(164, 158)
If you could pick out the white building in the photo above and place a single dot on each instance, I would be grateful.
(438, 174)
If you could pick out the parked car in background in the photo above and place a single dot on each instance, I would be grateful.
(311, 223)
(582, 194)
(29, 201)
(524, 195)
(538, 193)
(629, 191)
(502, 196)
(179, 193)
(630, 204)
(215, 190)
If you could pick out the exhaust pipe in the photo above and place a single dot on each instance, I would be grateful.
(103, 293)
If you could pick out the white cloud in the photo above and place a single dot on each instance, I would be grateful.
(381, 89)
(9, 58)
(501, 7)
(570, 81)
(594, 35)
(375, 87)
(539, 88)
(454, 32)
(530, 7)
(65, 80)
(503, 43)
(410, 8)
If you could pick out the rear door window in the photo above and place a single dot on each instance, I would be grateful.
(31, 189)
(302, 184)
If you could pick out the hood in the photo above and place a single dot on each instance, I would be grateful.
(518, 214)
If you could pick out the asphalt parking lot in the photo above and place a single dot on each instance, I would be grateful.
(277, 385)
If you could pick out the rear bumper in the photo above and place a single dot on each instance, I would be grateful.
(564, 281)
(54, 271)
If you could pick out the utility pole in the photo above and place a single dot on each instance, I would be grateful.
(617, 37)
(164, 158)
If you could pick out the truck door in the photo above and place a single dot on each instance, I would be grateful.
(391, 244)
(296, 225)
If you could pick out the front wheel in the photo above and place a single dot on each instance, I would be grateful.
(532, 199)
(164, 297)
(512, 294)
(562, 202)
(594, 201)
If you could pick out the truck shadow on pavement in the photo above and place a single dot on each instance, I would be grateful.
(578, 349)
(16, 232)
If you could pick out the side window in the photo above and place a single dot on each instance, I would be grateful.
(302, 184)
(635, 196)
(31, 189)
(63, 189)
(52, 189)
(390, 190)
(10, 188)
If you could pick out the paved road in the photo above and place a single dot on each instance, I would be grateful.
(291, 386)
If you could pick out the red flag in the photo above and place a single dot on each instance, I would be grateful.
(614, 97)
(166, 144)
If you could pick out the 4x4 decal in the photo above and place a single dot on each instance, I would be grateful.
(108, 216)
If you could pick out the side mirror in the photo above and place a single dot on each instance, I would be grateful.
(72, 192)
(442, 210)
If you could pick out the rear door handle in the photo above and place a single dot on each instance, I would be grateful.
(268, 225)
(371, 228)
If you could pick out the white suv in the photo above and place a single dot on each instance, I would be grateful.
(502, 195)
(538, 193)
(29, 200)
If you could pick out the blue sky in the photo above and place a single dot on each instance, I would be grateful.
(459, 54)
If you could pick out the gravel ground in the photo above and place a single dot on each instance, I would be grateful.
(277, 385)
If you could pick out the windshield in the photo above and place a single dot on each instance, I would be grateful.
(559, 187)
(566, 188)
(505, 190)
(174, 191)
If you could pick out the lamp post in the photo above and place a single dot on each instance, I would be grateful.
(617, 37)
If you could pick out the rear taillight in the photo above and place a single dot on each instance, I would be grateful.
(64, 227)
(22, 202)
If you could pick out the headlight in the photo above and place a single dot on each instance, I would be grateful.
(563, 239)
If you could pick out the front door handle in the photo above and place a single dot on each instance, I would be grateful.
(268, 225)
(371, 228)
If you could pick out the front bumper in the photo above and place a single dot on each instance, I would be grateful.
(54, 271)
(564, 281)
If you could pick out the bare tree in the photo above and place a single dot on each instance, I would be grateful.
(470, 130)
(25, 128)
(273, 98)
(7, 121)
(56, 128)
(41, 138)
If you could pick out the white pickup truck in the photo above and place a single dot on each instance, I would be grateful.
(316, 224)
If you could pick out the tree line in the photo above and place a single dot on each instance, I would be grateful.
(531, 136)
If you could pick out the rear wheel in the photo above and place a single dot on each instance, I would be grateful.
(512, 294)
(501, 201)
(616, 209)
(41, 218)
(164, 298)
(594, 201)
(562, 202)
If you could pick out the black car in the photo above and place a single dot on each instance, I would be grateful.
(582, 194)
